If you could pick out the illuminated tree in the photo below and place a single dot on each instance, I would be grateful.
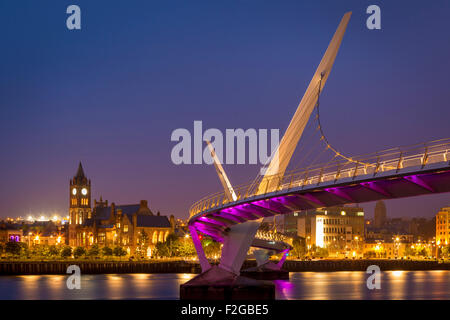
(107, 251)
(53, 251)
(298, 247)
(93, 251)
(66, 251)
(119, 251)
(78, 252)
(143, 239)
(211, 247)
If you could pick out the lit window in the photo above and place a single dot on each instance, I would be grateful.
(125, 228)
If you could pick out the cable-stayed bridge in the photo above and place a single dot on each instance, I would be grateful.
(234, 216)
(395, 173)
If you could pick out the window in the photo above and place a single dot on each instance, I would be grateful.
(125, 228)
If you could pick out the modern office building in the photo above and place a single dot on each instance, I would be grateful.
(339, 229)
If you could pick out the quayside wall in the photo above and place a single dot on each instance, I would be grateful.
(179, 266)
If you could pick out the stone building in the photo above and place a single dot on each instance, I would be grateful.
(132, 226)
(443, 227)
(10, 233)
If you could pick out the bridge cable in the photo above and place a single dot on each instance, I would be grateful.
(323, 137)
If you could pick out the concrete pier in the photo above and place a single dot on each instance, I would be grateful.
(219, 284)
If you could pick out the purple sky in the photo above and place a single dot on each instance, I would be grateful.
(111, 94)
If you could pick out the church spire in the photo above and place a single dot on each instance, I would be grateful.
(80, 172)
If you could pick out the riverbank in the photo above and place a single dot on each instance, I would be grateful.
(105, 267)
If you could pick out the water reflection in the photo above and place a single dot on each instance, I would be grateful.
(302, 285)
(395, 285)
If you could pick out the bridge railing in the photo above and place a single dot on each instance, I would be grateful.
(373, 164)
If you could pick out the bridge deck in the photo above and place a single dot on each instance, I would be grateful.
(394, 174)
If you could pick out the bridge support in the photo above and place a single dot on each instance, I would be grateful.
(204, 263)
(236, 244)
(262, 256)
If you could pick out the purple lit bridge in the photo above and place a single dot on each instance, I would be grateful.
(234, 216)
(390, 174)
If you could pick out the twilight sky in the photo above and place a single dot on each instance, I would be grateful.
(111, 94)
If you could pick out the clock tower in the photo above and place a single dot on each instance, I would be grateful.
(80, 204)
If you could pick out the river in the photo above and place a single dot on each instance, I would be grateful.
(302, 285)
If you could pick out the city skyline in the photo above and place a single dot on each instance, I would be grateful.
(64, 99)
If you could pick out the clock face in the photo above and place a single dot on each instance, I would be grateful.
(84, 191)
(74, 191)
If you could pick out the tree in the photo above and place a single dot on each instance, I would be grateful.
(66, 251)
(173, 245)
(186, 247)
(107, 251)
(298, 247)
(12, 248)
(93, 251)
(119, 251)
(422, 252)
(53, 251)
(409, 251)
(78, 252)
(143, 242)
(444, 252)
(322, 252)
(211, 247)
(161, 250)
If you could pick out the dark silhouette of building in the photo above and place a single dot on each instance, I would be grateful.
(380, 214)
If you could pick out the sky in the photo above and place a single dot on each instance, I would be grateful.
(111, 94)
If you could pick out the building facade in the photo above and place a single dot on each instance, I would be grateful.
(380, 214)
(10, 233)
(134, 226)
(338, 229)
(443, 227)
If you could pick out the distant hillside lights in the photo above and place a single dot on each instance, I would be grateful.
(256, 140)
